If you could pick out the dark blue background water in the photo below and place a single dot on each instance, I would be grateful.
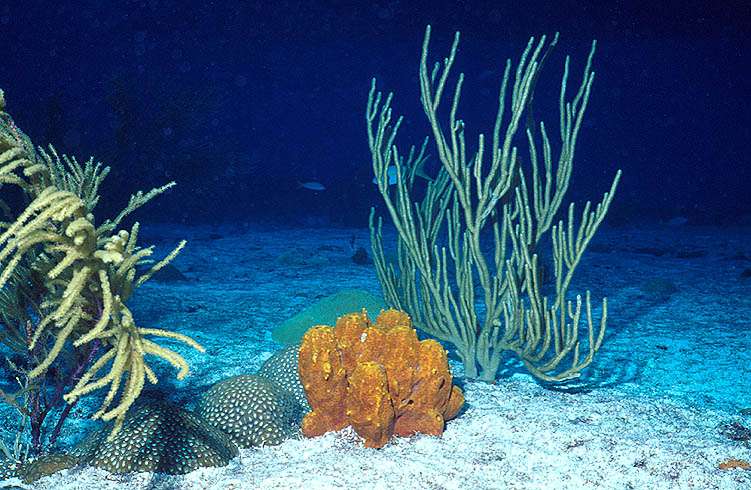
(238, 101)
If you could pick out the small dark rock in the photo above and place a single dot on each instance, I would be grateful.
(736, 432)
(169, 273)
(746, 274)
(690, 254)
(194, 308)
(360, 257)
(329, 248)
(658, 289)
(657, 252)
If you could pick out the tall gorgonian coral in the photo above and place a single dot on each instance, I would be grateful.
(468, 270)
(64, 287)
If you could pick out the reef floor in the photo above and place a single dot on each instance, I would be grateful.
(656, 409)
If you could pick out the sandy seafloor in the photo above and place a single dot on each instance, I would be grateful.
(652, 412)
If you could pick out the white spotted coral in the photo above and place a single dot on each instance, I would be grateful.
(281, 368)
(158, 437)
(251, 410)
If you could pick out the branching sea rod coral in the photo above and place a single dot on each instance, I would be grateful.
(468, 270)
(83, 275)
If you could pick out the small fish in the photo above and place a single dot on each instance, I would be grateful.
(312, 186)
(391, 173)
(677, 221)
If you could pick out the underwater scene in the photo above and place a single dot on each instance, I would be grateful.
(375, 245)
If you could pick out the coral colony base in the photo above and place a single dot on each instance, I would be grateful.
(363, 403)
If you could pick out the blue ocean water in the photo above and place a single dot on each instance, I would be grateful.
(257, 112)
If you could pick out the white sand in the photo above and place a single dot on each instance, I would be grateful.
(516, 435)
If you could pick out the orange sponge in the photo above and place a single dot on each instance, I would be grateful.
(323, 377)
(369, 407)
(378, 378)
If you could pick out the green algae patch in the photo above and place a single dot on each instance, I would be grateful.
(325, 312)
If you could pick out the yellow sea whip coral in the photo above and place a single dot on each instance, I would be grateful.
(87, 272)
